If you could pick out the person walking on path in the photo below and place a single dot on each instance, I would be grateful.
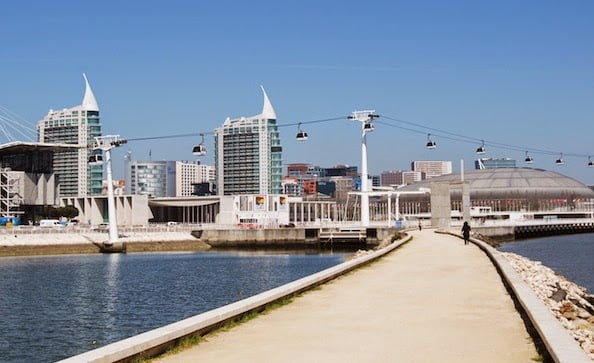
(466, 232)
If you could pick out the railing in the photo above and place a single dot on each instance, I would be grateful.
(533, 222)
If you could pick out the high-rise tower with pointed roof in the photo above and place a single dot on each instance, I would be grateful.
(248, 154)
(77, 125)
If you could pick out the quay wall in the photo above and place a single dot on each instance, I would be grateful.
(260, 236)
(70, 241)
(511, 232)
(157, 341)
(67, 240)
(271, 237)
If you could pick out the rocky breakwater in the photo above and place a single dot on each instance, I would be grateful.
(570, 303)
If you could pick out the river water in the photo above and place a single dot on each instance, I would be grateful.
(569, 255)
(53, 307)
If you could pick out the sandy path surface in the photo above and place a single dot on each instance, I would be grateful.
(433, 300)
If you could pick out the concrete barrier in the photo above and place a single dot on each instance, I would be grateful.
(559, 343)
(158, 340)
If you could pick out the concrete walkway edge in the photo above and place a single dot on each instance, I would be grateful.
(158, 340)
(559, 343)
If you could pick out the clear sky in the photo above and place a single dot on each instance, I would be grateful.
(519, 73)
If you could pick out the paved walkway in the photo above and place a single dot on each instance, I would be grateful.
(433, 300)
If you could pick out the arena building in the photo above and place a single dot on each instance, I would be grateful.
(504, 190)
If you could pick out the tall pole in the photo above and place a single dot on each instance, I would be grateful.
(366, 118)
(364, 180)
(106, 143)
(111, 211)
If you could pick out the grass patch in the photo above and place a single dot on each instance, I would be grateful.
(195, 340)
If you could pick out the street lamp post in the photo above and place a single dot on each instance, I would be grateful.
(105, 144)
(366, 118)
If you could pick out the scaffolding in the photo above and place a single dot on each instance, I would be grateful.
(11, 192)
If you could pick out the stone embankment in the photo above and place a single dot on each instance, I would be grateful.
(569, 303)
(75, 242)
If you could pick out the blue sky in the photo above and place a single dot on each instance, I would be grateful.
(519, 73)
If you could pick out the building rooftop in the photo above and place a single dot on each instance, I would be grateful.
(21, 147)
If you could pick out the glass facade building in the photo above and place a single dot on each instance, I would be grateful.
(149, 178)
(248, 154)
(78, 125)
(166, 178)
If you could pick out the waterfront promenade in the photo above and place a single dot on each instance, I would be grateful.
(432, 300)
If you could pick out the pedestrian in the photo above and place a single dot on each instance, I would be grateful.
(466, 232)
(420, 226)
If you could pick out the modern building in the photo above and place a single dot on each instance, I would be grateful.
(166, 178)
(342, 187)
(248, 154)
(375, 180)
(491, 163)
(432, 168)
(27, 182)
(292, 187)
(189, 173)
(149, 178)
(342, 170)
(297, 170)
(79, 126)
(399, 177)
(409, 177)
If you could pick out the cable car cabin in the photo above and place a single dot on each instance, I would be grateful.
(431, 144)
(368, 126)
(480, 150)
(529, 160)
(96, 159)
(199, 150)
(301, 136)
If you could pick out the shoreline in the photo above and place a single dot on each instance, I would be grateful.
(90, 248)
(37, 244)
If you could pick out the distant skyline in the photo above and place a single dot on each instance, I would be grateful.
(512, 73)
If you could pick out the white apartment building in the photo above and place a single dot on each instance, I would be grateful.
(248, 154)
(191, 172)
(410, 177)
(78, 125)
(432, 168)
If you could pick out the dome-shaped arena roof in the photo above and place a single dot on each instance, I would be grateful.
(510, 183)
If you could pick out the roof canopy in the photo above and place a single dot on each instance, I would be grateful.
(20, 147)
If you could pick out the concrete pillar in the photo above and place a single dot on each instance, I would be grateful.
(441, 210)
(466, 201)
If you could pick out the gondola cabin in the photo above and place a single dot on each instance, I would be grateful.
(96, 159)
(301, 136)
(199, 150)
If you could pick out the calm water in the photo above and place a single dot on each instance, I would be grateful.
(58, 306)
(570, 255)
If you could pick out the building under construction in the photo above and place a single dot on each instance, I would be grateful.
(27, 181)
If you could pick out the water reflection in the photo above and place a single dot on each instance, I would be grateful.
(55, 307)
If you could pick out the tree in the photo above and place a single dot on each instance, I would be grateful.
(68, 211)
